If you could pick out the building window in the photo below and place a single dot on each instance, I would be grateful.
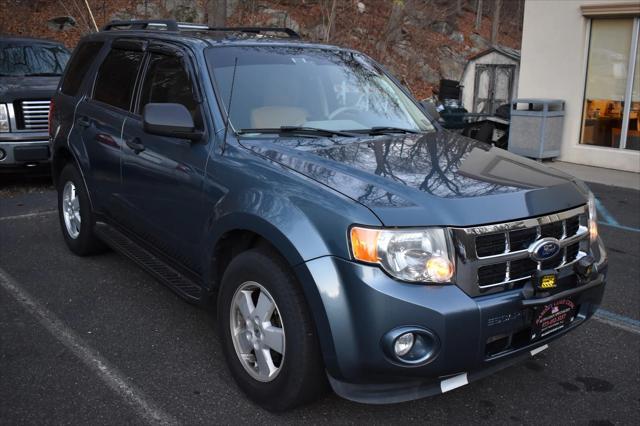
(613, 78)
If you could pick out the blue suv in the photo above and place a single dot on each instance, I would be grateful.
(344, 236)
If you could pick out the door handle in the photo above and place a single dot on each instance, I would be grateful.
(84, 121)
(135, 144)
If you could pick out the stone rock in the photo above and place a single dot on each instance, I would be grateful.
(403, 49)
(479, 41)
(442, 27)
(61, 23)
(457, 36)
(451, 63)
(279, 18)
(428, 74)
(185, 11)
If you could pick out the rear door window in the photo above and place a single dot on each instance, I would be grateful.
(78, 67)
(167, 81)
(116, 78)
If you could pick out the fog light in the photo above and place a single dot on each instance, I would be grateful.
(2, 154)
(403, 344)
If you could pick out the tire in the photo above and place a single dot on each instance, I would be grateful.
(78, 234)
(300, 374)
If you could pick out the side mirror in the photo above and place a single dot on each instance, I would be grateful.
(430, 108)
(166, 119)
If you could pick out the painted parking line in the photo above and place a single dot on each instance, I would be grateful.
(604, 213)
(148, 410)
(622, 227)
(29, 215)
(617, 320)
(609, 220)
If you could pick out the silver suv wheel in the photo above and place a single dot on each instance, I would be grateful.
(71, 210)
(257, 331)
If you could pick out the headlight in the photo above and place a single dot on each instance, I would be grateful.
(416, 255)
(4, 118)
(593, 218)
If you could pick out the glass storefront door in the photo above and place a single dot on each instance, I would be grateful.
(612, 92)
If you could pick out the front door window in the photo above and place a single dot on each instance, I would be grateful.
(612, 101)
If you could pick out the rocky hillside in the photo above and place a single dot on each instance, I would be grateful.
(421, 41)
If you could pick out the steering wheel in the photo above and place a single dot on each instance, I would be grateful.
(342, 110)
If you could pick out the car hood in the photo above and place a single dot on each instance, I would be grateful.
(439, 178)
(15, 88)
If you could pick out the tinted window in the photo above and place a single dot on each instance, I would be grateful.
(20, 59)
(117, 77)
(167, 81)
(78, 67)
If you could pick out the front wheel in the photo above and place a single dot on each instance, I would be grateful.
(74, 211)
(268, 338)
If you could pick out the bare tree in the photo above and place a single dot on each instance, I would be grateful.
(217, 13)
(519, 14)
(478, 14)
(393, 29)
(328, 9)
(495, 22)
(459, 7)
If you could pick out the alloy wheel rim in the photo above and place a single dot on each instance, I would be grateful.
(71, 210)
(257, 331)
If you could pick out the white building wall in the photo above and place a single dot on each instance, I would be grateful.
(553, 65)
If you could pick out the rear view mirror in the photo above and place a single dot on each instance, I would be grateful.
(430, 108)
(167, 119)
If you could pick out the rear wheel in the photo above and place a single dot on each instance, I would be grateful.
(74, 211)
(268, 338)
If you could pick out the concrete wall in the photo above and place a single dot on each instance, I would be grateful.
(469, 76)
(553, 65)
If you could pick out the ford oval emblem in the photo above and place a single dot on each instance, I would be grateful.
(544, 249)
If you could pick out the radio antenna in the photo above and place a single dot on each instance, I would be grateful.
(226, 126)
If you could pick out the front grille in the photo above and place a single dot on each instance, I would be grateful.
(497, 255)
(32, 115)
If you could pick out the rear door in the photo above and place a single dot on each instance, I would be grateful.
(162, 183)
(72, 88)
(100, 120)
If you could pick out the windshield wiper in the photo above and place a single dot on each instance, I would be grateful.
(381, 130)
(43, 74)
(299, 130)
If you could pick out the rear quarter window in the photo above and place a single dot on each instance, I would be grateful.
(116, 78)
(78, 66)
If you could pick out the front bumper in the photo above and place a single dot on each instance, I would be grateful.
(360, 304)
(24, 149)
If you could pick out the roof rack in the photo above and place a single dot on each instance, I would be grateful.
(172, 25)
(139, 24)
(258, 30)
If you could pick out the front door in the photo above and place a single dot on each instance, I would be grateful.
(493, 87)
(163, 176)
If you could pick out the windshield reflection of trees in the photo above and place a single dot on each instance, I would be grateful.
(429, 162)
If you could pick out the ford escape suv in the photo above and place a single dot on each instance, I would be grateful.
(30, 70)
(345, 237)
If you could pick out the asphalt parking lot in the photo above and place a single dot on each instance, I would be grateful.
(96, 340)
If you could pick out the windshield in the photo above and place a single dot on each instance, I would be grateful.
(22, 59)
(324, 89)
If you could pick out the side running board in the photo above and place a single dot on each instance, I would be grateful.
(179, 283)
